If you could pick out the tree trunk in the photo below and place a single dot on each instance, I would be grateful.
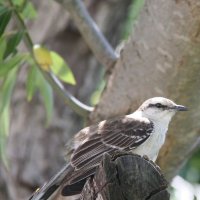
(161, 58)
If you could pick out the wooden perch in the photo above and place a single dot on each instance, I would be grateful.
(126, 177)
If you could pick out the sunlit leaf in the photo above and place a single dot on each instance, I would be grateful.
(18, 2)
(4, 124)
(12, 43)
(61, 69)
(7, 65)
(4, 19)
(43, 57)
(31, 83)
(47, 95)
(2, 47)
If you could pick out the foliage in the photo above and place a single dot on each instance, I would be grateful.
(12, 59)
(94, 99)
(191, 170)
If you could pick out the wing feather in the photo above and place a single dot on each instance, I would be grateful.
(123, 133)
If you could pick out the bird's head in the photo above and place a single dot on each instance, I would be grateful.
(160, 109)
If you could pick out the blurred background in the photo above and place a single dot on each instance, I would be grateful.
(36, 123)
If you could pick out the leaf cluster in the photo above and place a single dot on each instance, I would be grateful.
(36, 59)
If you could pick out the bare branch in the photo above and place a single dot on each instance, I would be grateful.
(90, 31)
(74, 103)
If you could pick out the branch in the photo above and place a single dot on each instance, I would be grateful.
(127, 177)
(74, 103)
(90, 31)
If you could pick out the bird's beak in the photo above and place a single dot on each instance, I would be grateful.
(180, 108)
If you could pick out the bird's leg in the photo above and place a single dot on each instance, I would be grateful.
(146, 158)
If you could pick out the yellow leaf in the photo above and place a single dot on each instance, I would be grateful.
(61, 69)
(43, 57)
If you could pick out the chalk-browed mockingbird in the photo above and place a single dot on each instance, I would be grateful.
(142, 132)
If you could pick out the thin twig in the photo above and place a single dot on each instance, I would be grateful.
(91, 33)
(74, 103)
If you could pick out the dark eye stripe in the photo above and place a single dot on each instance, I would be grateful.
(158, 105)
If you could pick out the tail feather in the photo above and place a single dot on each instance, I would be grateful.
(52, 186)
(67, 182)
(74, 189)
(77, 181)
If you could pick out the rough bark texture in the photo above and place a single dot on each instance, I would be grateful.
(161, 58)
(35, 153)
(127, 177)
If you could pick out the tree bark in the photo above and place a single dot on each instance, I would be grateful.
(126, 177)
(161, 58)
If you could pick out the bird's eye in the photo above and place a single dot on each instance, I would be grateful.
(158, 105)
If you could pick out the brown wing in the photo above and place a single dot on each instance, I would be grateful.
(109, 136)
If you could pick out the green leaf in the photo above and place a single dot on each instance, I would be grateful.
(5, 98)
(29, 11)
(4, 124)
(47, 95)
(12, 43)
(36, 81)
(31, 82)
(2, 47)
(4, 19)
(6, 66)
(18, 2)
(3, 10)
(61, 69)
(6, 90)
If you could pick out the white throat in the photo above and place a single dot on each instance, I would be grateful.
(157, 138)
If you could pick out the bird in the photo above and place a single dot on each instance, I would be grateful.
(142, 132)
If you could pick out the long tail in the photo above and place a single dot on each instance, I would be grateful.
(48, 190)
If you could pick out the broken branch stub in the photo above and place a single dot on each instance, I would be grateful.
(126, 177)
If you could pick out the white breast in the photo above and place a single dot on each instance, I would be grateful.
(152, 145)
